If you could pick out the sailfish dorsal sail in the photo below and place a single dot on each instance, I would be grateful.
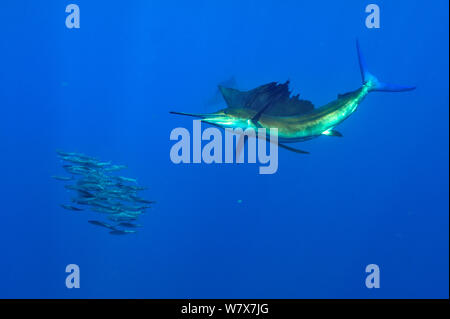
(275, 97)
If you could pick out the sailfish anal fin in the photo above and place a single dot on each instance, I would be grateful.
(332, 132)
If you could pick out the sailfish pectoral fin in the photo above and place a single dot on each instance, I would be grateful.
(240, 147)
(292, 149)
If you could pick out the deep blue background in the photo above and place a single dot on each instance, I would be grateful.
(378, 195)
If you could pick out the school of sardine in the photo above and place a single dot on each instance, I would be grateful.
(96, 187)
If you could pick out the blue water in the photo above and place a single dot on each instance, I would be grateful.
(378, 195)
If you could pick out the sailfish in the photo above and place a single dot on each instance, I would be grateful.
(272, 106)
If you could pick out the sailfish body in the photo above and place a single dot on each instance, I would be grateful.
(271, 106)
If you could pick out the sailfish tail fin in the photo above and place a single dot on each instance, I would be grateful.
(371, 80)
